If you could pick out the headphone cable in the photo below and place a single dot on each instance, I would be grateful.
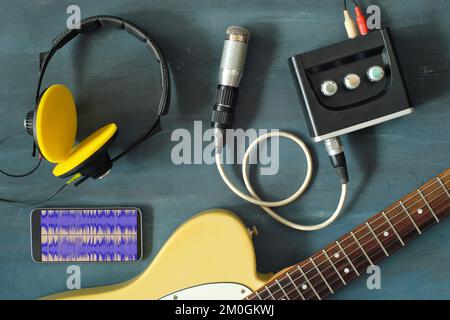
(12, 175)
(155, 128)
(34, 203)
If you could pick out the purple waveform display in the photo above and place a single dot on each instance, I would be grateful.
(89, 235)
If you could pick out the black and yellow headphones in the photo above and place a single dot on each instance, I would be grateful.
(53, 123)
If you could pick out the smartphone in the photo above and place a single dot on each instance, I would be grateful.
(86, 234)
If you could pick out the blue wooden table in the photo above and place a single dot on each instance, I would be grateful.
(115, 80)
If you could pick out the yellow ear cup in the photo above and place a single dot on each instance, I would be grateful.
(56, 123)
(87, 148)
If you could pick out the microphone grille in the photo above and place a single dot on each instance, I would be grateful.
(237, 31)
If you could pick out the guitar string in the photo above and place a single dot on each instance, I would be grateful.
(395, 224)
(394, 208)
(386, 212)
(372, 239)
(376, 245)
(334, 279)
(337, 279)
(438, 188)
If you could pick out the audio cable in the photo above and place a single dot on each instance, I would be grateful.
(231, 69)
(26, 174)
(12, 175)
(349, 24)
(23, 203)
(35, 203)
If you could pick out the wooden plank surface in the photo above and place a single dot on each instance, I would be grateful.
(114, 79)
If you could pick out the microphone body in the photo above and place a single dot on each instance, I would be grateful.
(231, 69)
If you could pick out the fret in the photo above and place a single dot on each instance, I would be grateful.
(419, 211)
(288, 287)
(348, 259)
(301, 283)
(428, 205)
(321, 275)
(443, 186)
(354, 252)
(263, 294)
(339, 263)
(436, 197)
(295, 286)
(309, 283)
(401, 221)
(270, 293)
(334, 267)
(410, 217)
(254, 295)
(362, 249)
(393, 228)
(369, 243)
(444, 206)
(275, 290)
(282, 289)
(329, 272)
(315, 279)
(384, 233)
(378, 240)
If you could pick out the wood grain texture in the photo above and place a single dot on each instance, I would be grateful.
(113, 79)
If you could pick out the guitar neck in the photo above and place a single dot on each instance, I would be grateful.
(348, 257)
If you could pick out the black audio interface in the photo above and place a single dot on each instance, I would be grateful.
(350, 85)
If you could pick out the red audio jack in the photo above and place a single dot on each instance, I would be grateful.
(360, 21)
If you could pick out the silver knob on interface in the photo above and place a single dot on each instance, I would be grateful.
(352, 81)
(375, 73)
(329, 88)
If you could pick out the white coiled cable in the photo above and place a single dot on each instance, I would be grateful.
(267, 205)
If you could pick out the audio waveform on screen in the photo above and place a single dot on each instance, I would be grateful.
(89, 235)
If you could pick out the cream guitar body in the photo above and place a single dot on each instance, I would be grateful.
(211, 256)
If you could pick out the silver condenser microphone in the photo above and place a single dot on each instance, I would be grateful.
(233, 56)
(231, 69)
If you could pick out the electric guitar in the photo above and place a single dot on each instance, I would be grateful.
(211, 256)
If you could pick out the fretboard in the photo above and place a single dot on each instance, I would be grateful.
(348, 257)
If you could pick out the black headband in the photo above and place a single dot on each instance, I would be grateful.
(93, 23)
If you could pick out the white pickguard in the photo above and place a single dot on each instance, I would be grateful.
(211, 291)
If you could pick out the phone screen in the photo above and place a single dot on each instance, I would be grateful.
(86, 235)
